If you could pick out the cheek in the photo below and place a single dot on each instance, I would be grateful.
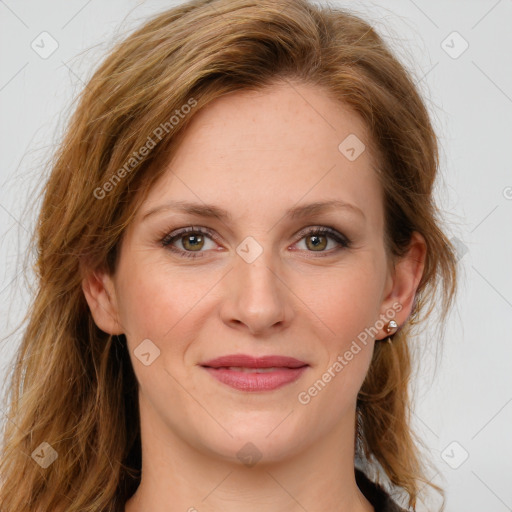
(348, 303)
(157, 303)
(347, 300)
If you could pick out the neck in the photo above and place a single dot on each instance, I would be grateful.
(179, 477)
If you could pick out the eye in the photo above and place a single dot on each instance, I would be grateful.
(316, 239)
(189, 242)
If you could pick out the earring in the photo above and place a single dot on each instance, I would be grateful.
(392, 327)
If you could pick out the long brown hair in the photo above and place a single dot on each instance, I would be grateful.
(73, 386)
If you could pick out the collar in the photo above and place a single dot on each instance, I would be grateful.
(376, 494)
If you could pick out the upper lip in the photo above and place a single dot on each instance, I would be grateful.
(246, 361)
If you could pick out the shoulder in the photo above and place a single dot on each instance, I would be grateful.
(375, 494)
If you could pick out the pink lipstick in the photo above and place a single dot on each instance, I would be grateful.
(247, 373)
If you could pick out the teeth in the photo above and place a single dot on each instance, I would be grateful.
(252, 370)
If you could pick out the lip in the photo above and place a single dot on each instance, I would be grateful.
(240, 371)
(246, 361)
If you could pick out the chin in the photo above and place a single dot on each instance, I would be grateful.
(265, 441)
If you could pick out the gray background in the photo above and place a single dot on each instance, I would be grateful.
(463, 404)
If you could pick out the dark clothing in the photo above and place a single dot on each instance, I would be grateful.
(376, 495)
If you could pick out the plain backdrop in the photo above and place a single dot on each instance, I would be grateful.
(460, 53)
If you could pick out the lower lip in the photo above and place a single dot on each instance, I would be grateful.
(253, 381)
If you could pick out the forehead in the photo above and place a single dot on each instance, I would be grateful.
(256, 151)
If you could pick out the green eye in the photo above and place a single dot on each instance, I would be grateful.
(316, 242)
(194, 239)
(192, 242)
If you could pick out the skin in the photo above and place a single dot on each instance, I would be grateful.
(255, 154)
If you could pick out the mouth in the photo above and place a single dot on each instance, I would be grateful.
(248, 370)
(252, 374)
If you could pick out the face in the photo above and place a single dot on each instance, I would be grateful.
(257, 273)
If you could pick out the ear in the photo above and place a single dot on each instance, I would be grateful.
(403, 281)
(99, 291)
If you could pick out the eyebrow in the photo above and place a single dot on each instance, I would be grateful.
(216, 212)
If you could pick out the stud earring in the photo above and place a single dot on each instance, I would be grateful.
(392, 327)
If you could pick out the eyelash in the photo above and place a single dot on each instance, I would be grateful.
(169, 238)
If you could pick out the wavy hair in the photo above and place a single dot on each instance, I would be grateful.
(72, 385)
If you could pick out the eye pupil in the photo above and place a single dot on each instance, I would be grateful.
(317, 242)
(193, 242)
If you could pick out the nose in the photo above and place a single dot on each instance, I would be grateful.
(255, 298)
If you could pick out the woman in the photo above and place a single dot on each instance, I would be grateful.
(235, 244)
